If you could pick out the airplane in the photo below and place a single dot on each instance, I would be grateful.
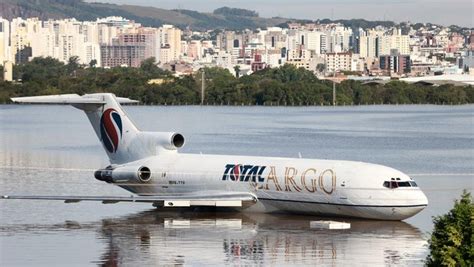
(148, 165)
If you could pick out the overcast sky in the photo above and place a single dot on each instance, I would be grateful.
(444, 12)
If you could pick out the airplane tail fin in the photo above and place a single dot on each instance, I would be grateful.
(110, 122)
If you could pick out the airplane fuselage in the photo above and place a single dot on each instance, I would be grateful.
(320, 187)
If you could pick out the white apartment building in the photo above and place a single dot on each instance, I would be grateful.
(5, 54)
(170, 38)
(369, 43)
(59, 39)
(375, 43)
(339, 39)
(273, 58)
(274, 38)
(20, 38)
(315, 41)
(302, 54)
(394, 41)
(339, 61)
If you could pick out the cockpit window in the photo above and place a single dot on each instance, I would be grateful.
(393, 184)
(396, 182)
(404, 184)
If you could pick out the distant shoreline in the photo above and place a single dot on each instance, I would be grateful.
(282, 86)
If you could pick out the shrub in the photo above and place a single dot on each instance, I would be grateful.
(452, 243)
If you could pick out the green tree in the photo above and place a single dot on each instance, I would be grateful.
(92, 63)
(237, 71)
(321, 67)
(452, 242)
(72, 64)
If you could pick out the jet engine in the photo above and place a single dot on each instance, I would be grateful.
(124, 174)
(166, 140)
(169, 140)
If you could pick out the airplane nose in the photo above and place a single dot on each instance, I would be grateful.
(423, 199)
(419, 199)
(418, 202)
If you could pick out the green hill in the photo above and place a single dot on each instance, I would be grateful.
(221, 18)
(227, 18)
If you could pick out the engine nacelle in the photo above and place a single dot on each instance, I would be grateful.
(124, 174)
(167, 140)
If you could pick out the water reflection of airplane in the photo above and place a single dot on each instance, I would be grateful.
(148, 165)
(172, 238)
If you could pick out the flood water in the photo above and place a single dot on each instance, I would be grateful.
(53, 150)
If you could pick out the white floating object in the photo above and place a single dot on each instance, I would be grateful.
(177, 223)
(229, 223)
(331, 225)
(177, 203)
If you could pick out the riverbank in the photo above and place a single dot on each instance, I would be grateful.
(283, 86)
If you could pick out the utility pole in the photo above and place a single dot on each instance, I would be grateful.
(334, 89)
(334, 81)
(203, 84)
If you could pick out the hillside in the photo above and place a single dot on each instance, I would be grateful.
(149, 16)
(221, 18)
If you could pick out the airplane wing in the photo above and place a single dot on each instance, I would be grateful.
(226, 199)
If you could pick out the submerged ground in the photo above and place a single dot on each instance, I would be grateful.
(53, 150)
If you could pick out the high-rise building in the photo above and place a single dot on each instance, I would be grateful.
(339, 39)
(394, 41)
(194, 50)
(374, 43)
(4, 41)
(338, 61)
(131, 47)
(314, 42)
(170, 38)
(369, 43)
(274, 38)
(20, 39)
(395, 63)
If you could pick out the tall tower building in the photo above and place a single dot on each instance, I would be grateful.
(370, 43)
(4, 40)
(170, 38)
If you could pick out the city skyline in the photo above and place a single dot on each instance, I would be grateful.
(323, 49)
(439, 12)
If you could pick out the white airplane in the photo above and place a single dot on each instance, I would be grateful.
(148, 164)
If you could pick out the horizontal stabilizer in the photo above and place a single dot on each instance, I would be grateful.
(70, 99)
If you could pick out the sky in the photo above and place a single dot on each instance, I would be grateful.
(444, 12)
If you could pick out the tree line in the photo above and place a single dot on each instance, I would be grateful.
(286, 85)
